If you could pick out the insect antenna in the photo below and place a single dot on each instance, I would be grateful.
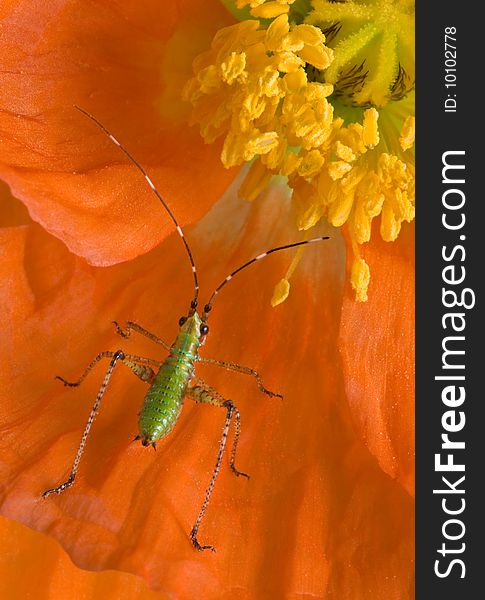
(208, 306)
(193, 304)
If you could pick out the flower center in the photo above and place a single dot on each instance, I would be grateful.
(283, 99)
(373, 42)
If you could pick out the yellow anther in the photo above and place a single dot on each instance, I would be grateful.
(276, 33)
(318, 56)
(294, 82)
(270, 10)
(406, 138)
(255, 3)
(276, 156)
(311, 164)
(359, 279)
(309, 35)
(280, 293)
(370, 133)
(233, 67)
(231, 151)
(293, 42)
(209, 79)
(308, 218)
(282, 288)
(352, 136)
(308, 207)
(338, 168)
(288, 62)
(291, 164)
(369, 190)
(260, 144)
(241, 33)
(344, 152)
(352, 180)
(361, 224)
(339, 211)
(318, 91)
(390, 226)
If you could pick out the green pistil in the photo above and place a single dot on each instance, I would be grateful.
(373, 42)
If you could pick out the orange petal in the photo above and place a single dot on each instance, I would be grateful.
(318, 518)
(377, 346)
(117, 61)
(33, 565)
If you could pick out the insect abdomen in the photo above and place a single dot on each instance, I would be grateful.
(164, 400)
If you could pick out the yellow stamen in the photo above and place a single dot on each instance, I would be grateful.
(338, 169)
(280, 293)
(233, 67)
(406, 138)
(292, 162)
(282, 288)
(317, 56)
(344, 152)
(339, 211)
(258, 4)
(253, 85)
(266, 88)
(270, 10)
(311, 164)
(276, 34)
(370, 134)
(360, 278)
(256, 180)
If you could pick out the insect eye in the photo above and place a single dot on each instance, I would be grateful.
(204, 329)
(182, 321)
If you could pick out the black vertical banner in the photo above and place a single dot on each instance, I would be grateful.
(450, 435)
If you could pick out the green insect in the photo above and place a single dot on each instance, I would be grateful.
(175, 377)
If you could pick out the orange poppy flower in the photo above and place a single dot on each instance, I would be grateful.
(328, 509)
(101, 57)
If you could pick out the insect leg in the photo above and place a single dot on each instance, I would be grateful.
(201, 392)
(138, 364)
(126, 332)
(119, 355)
(237, 432)
(240, 369)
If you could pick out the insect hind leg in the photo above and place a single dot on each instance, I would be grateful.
(203, 393)
(237, 432)
(117, 356)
